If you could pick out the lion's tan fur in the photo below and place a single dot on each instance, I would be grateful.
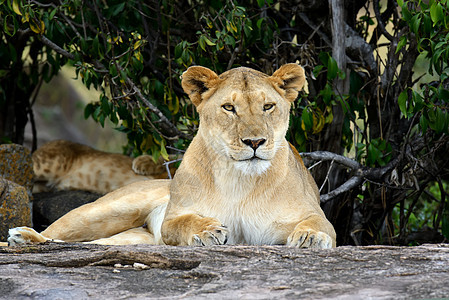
(240, 181)
(271, 200)
(65, 165)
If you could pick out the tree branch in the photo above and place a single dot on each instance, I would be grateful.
(380, 22)
(353, 182)
(55, 47)
(360, 173)
(329, 156)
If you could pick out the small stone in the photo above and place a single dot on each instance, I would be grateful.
(140, 266)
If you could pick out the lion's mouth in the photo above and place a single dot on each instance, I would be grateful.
(253, 158)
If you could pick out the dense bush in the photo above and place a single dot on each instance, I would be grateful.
(365, 99)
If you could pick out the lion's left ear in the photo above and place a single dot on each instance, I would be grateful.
(197, 82)
(289, 80)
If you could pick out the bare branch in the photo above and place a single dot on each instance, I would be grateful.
(316, 29)
(167, 166)
(353, 182)
(55, 47)
(168, 127)
(381, 24)
(329, 156)
(360, 173)
(356, 45)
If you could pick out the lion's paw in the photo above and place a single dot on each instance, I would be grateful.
(145, 165)
(309, 238)
(24, 235)
(212, 235)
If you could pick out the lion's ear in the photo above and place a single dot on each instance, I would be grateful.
(196, 81)
(289, 79)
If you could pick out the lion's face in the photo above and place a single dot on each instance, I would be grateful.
(244, 114)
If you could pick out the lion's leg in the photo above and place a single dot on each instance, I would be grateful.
(131, 236)
(313, 232)
(194, 230)
(120, 210)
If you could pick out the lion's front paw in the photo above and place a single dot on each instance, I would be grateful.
(24, 235)
(211, 235)
(309, 238)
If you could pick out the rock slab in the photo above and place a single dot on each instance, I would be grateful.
(81, 271)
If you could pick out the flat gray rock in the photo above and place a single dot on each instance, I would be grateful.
(79, 271)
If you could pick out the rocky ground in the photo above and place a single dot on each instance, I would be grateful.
(80, 271)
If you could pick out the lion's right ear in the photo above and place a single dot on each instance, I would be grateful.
(289, 80)
(197, 82)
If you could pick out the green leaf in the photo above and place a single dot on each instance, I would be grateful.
(118, 8)
(185, 56)
(7, 25)
(414, 23)
(443, 94)
(229, 39)
(123, 75)
(307, 119)
(402, 102)
(406, 15)
(324, 57)
(316, 71)
(53, 12)
(373, 154)
(436, 12)
(101, 120)
(327, 93)
(88, 110)
(178, 50)
(402, 43)
(261, 3)
(16, 7)
(440, 121)
(208, 42)
(332, 68)
(423, 123)
(202, 43)
(164, 153)
(105, 104)
(248, 30)
(418, 103)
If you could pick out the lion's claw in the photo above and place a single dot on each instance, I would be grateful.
(309, 239)
(213, 235)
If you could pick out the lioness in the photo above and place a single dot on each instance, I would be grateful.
(65, 165)
(240, 181)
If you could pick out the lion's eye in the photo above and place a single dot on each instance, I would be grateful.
(228, 107)
(268, 106)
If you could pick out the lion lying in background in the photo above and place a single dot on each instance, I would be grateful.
(240, 182)
(65, 165)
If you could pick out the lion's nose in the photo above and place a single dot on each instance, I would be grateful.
(254, 143)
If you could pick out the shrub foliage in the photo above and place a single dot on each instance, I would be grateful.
(373, 122)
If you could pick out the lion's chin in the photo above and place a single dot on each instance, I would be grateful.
(253, 167)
